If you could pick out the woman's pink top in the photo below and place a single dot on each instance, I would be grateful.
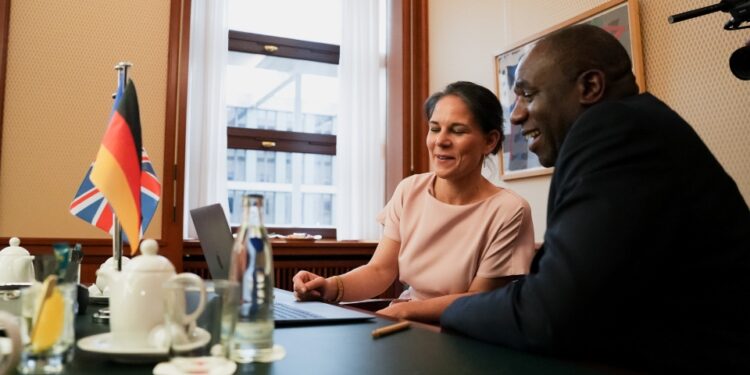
(444, 247)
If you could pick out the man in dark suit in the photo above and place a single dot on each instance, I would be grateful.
(646, 257)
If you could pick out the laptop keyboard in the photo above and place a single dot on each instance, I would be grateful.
(282, 311)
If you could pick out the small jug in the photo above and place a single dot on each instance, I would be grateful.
(16, 264)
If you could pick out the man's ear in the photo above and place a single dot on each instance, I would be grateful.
(591, 84)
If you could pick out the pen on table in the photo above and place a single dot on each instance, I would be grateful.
(393, 328)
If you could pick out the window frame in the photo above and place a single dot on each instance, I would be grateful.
(276, 140)
(240, 41)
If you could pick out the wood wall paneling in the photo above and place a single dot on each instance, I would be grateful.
(420, 86)
(172, 202)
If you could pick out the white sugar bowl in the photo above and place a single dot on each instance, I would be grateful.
(103, 276)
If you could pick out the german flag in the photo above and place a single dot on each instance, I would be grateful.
(117, 168)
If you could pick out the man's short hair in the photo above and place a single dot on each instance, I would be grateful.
(579, 48)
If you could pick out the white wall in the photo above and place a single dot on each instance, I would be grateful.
(464, 38)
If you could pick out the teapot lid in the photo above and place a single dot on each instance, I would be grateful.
(149, 261)
(14, 249)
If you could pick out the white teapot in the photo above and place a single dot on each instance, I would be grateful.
(16, 264)
(136, 297)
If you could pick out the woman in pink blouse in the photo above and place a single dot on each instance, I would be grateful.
(447, 233)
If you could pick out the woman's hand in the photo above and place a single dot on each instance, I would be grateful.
(309, 286)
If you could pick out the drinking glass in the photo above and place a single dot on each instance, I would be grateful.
(10, 346)
(221, 314)
(47, 330)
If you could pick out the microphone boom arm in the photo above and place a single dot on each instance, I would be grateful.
(695, 13)
(739, 9)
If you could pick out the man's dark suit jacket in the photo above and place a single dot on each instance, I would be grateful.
(646, 257)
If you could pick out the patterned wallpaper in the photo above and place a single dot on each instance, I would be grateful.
(59, 83)
(686, 65)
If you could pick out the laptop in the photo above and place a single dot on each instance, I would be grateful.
(216, 241)
(215, 238)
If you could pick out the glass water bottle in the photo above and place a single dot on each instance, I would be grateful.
(252, 268)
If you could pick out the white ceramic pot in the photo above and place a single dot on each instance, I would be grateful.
(103, 274)
(16, 264)
(136, 297)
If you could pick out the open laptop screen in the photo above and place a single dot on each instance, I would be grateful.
(215, 238)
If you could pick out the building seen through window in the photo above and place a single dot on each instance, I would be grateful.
(282, 103)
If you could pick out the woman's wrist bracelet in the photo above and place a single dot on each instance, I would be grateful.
(339, 289)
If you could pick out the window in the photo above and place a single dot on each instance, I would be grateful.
(282, 103)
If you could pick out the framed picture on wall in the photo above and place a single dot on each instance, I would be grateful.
(619, 17)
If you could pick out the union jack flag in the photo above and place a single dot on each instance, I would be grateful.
(90, 205)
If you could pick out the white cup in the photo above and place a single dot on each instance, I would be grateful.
(179, 331)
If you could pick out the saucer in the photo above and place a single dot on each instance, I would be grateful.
(103, 343)
(99, 300)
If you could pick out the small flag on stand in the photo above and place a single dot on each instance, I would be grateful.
(117, 168)
(90, 205)
(122, 177)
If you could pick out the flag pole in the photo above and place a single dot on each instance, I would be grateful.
(122, 78)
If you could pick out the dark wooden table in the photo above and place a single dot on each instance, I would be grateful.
(350, 349)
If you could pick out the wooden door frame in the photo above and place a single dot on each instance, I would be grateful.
(408, 85)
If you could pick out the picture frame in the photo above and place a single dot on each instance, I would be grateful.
(619, 17)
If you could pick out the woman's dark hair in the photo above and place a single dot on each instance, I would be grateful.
(483, 104)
